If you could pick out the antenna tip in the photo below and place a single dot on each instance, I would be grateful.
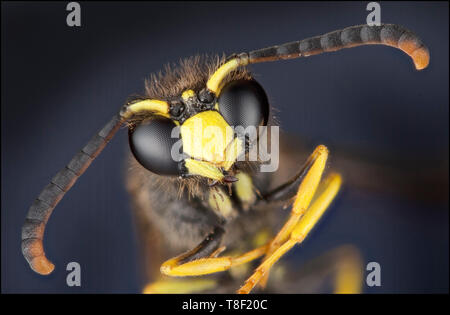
(42, 265)
(421, 58)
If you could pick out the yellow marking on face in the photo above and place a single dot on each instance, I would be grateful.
(157, 106)
(204, 169)
(220, 202)
(187, 94)
(206, 136)
(233, 150)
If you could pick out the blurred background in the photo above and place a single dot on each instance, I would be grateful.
(386, 124)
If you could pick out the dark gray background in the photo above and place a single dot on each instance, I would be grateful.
(61, 84)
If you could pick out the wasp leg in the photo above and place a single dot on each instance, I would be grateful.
(209, 246)
(328, 191)
(342, 267)
(305, 183)
(179, 286)
(206, 248)
(349, 267)
(174, 267)
(289, 189)
(315, 167)
(197, 262)
(203, 259)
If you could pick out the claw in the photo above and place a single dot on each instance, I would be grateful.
(229, 179)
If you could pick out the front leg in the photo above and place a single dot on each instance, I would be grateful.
(327, 191)
(302, 186)
(203, 259)
(314, 167)
(187, 264)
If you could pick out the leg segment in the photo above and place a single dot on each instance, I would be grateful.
(203, 266)
(339, 269)
(308, 178)
(328, 189)
(179, 286)
(206, 248)
(349, 271)
(203, 259)
(289, 189)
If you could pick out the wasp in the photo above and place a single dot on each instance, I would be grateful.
(210, 207)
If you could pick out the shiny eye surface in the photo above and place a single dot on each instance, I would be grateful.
(244, 103)
(151, 144)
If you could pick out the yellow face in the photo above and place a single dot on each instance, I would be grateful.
(206, 137)
(210, 143)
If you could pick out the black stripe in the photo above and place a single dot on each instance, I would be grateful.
(310, 46)
(390, 34)
(289, 189)
(287, 49)
(26, 248)
(206, 247)
(51, 194)
(32, 229)
(331, 41)
(370, 34)
(351, 36)
(263, 53)
(411, 38)
(94, 145)
(64, 179)
(39, 210)
(108, 130)
(79, 163)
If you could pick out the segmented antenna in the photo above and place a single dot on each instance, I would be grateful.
(41, 209)
(385, 34)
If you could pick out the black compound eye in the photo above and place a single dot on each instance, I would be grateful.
(244, 103)
(151, 144)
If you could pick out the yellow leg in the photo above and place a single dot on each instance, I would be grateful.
(305, 192)
(294, 229)
(343, 266)
(179, 286)
(208, 265)
(329, 189)
(349, 271)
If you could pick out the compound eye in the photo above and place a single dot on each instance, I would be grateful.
(244, 103)
(151, 144)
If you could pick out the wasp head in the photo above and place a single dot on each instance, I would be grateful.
(199, 129)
